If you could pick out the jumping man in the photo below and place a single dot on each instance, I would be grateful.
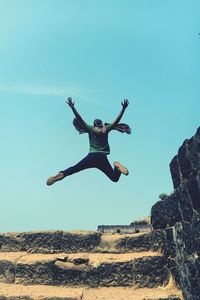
(99, 147)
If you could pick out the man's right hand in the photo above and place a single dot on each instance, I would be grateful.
(125, 103)
(70, 102)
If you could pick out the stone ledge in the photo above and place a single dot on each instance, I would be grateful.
(95, 270)
(36, 292)
(73, 242)
(49, 241)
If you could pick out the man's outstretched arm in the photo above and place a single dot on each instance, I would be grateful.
(71, 105)
(124, 104)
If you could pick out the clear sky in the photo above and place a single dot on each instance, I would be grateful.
(98, 52)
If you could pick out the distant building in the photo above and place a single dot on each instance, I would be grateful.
(124, 229)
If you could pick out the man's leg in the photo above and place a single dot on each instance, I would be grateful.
(85, 163)
(104, 165)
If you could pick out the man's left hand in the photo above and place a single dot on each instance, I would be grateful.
(70, 102)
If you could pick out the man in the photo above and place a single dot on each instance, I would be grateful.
(99, 146)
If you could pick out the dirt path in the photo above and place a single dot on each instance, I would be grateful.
(37, 292)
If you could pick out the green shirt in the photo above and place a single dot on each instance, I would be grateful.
(98, 138)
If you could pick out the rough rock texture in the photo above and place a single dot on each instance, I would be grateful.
(126, 268)
(116, 274)
(123, 270)
(72, 242)
(151, 272)
(152, 241)
(49, 241)
(79, 242)
(179, 217)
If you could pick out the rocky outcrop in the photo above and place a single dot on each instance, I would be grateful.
(178, 216)
(72, 242)
(100, 266)
(89, 270)
(49, 241)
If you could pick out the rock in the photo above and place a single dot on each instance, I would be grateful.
(75, 275)
(152, 241)
(93, 271)
(175, 171)
(49, 241)
(179, 217)
(80, 261)
(182, 198)
(150, 272)
(42, 242)
(7, 272)
(36, 273)
(166, 212)
(116, 274)
(158, 215)
(80, 242)
(186, 164)
(10, 242)
(193, 188)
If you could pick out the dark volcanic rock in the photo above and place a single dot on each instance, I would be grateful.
(49, 241)
(185, 266)
(152, 241)
(80, 242)
(56, 273)
(37, 273)
(184, 162)
(42, 242)
(180, 218)
(75, 275)
(182, 197)
(158, 215)
(150, 272)
(193, 188)
(38, 242)
(10, 242)
(7, 272)
(116, 274)
(175, 170)
(165, 213)
(184, 203)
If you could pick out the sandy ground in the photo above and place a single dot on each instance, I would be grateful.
(118, 293)
(38, 291)
(126, 294)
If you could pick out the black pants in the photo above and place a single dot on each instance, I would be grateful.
(95, 160)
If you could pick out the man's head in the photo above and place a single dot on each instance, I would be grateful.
(98, 123)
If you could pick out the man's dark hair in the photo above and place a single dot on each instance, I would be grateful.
(98, 123)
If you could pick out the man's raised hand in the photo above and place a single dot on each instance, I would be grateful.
(70, 102)
(125, 103)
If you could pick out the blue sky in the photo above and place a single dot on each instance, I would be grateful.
(98, 52)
